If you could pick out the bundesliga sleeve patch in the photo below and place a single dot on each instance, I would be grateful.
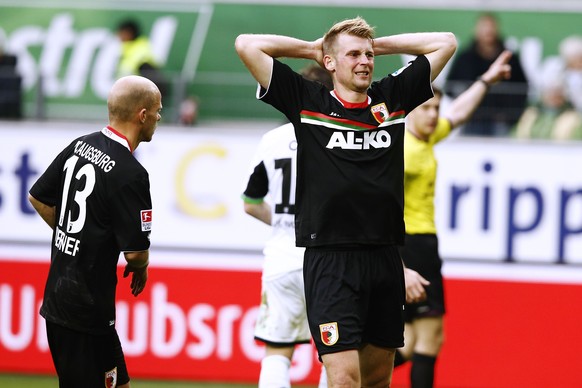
(146, 220)
(329, 333)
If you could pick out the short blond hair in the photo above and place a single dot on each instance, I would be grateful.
(356, 27)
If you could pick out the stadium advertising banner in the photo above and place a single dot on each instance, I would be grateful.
(73, 45)
(496, 200)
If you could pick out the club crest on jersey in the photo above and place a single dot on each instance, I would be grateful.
(146, 220)
(380, 112)
(111, 378)
(329, 333)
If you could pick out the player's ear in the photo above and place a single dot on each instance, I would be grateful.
(329, 62)
(142, 115)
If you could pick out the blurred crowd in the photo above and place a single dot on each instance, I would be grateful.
(547, 107)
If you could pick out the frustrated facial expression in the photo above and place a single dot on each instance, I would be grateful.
(352, 62)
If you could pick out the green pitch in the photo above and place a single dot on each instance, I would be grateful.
(33, 381)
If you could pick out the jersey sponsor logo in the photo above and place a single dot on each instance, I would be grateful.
(380, 112)
(329, 333)
(111, 378)
(146, 220)
(360, 140)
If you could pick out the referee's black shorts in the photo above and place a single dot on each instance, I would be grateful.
(86, 360)
(421, 253)
(354, 296)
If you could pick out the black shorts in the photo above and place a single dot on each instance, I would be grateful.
(86, 360)
(421, 253)
(354, 297)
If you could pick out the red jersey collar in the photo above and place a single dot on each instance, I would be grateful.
(351, 105)
(111, 133)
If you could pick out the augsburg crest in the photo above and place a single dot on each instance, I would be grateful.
(380, 112)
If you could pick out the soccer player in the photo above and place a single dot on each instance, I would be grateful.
(95, 196)
(349, 195)
(424, 128)
(282, 321)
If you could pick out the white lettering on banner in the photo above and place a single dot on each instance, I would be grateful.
(61, 38)
(21, 338)
(364, 140)
(160, 327)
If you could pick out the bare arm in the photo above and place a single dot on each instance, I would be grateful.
(137, 264)
(257, 52)
(261, 211)
(463, 107)
(438, 47)
(46, 212)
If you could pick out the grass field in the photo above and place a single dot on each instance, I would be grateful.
(35, 381)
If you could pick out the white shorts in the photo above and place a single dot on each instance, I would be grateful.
(282, 318)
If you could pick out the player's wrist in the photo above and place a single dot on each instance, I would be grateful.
(482, 80)
(140, 265)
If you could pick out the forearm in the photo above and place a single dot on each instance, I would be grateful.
(277, 46)
(138, 259)
(46, 212)
(257, 53)
(462, 108)
(438, 47)
(419, 43)
(261, 211)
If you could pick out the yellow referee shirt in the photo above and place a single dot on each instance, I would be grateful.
(420, 168)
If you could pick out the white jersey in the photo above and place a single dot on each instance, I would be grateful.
(273, 178)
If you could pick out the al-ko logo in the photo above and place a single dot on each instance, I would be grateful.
(75, 61)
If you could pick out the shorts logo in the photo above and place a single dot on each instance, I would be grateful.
(329, 333)
(111, 378)
(146, 220)
(380, 112)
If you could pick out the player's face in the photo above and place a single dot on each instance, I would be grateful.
(353, 62)
(424, 118)
(153, 115)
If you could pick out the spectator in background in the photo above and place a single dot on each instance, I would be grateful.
(571, 54)
(552, 116)
(504, 103)
(137, 56)
(10, 83)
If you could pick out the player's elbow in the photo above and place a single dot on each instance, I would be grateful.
(449, 44)
(242, 44)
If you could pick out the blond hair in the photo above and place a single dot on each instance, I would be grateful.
(356, 27)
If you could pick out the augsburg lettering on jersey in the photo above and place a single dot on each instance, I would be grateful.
(94, 155)
(354, 135)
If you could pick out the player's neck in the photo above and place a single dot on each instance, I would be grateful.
(350, 98)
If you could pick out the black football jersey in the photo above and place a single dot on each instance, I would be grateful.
(103, 207)
(350, 165)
